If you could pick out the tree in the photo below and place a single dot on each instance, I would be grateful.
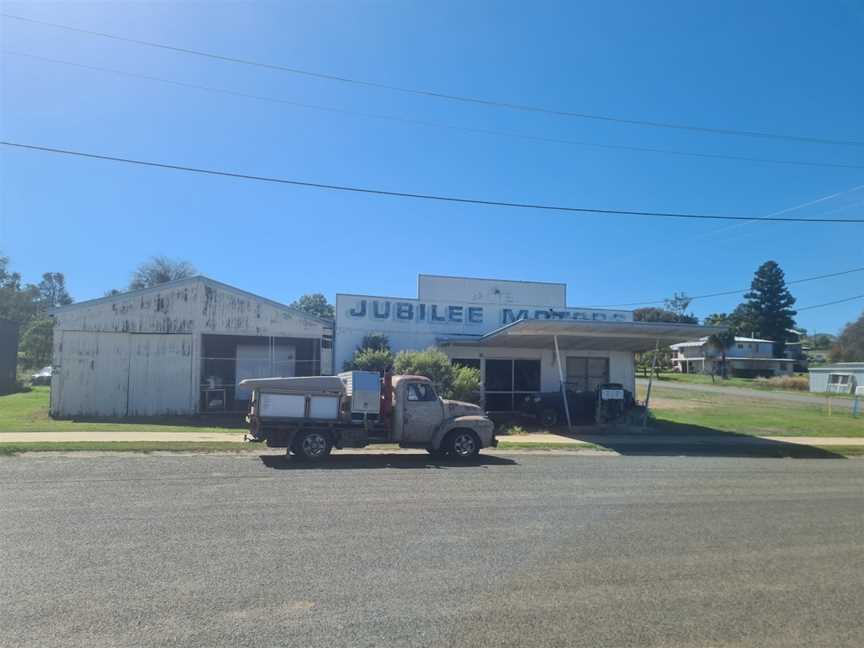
(849, 346)
(770, 304)
(678, 304)
(739, 322)
(52, 291)
(315, 304)
(722, 341)
(159, 270)
(18, 302)
(654, 314)
(675, 310)
(645, 360)
(822, 340)
(36, 343)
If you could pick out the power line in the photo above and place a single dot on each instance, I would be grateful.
(738, 291)
(831, 303)
(432, 124)
(441, 95)
(809, 203)
(405, 194)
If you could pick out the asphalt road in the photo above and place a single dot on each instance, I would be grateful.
(116, 551)
(762, 394)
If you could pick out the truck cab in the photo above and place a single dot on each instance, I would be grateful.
(287, 412)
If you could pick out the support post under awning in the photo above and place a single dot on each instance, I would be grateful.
(563, 388)
(650, 382)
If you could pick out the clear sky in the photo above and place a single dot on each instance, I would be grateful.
(784, 67)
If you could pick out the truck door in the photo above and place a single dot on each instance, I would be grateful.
(422, 413)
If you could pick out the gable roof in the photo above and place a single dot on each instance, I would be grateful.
(186, 281)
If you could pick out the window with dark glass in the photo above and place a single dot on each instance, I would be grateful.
(508, 382)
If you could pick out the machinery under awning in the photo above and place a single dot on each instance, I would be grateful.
(576, 335)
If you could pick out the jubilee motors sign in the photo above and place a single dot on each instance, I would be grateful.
(414, 311)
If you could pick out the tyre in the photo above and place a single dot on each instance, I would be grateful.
(462, 444)
(549, 417)
(438, 453)
(312, 445)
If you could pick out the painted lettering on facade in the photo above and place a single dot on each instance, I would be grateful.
(408, 311)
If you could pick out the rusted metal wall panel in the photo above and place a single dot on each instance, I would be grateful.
(196, 306)
(160, 375)
(91, 374)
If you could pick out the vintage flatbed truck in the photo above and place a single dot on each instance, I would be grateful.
(312, 415)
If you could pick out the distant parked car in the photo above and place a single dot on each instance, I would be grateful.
(41, 377)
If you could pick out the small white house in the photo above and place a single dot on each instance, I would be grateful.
(840, 378)
(745, 357)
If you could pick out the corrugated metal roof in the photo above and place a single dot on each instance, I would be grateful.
(578, 334)
(184, 281)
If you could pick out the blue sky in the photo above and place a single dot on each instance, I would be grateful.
(784, 67)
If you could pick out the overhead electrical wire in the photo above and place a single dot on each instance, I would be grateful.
(418, 196)
(432, 124)
(809, 203)
(735, 292)
(442, 95)
(831, 303)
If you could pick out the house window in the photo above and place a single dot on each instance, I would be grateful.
(585, 374)
(509, 382)
(740, 346)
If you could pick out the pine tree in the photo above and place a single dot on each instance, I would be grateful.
(769, 303)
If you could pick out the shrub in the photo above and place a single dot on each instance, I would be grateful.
(797, 383)
(432, 363)
(466, 384)
(375, 341)
(370, 360)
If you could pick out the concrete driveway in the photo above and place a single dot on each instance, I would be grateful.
(403, 551)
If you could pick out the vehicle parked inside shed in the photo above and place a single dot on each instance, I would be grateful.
(310, 416)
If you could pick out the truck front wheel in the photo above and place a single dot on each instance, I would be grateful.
(463, 444)
(312, 445)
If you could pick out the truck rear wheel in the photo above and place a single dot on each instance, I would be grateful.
(312, 445)
(463, 444)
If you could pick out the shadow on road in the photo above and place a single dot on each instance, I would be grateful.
(363, 461)
(679, 439)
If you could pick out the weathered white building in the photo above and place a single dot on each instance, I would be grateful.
(839, 378)
(178, 348)
(521, 335)
(746, 357)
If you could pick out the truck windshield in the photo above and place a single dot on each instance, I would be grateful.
(420, 392)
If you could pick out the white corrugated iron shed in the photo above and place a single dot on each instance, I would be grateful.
(146, 352)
